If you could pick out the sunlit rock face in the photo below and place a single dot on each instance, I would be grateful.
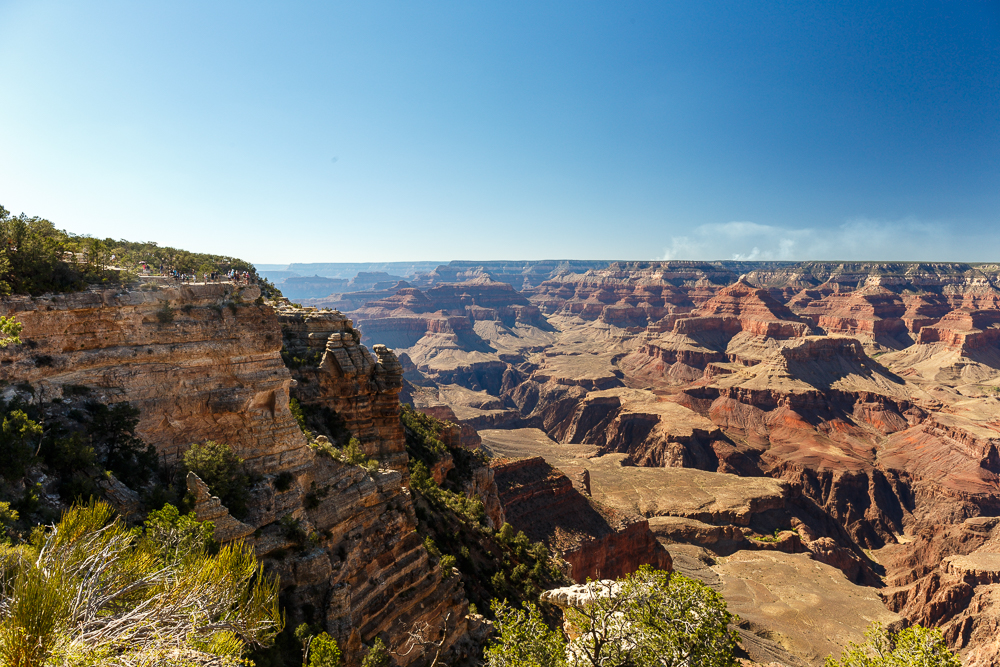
(200, 362)
(203, 362)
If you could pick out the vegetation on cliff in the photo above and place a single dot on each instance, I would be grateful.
(915, 646)
(70, 445)
(91, 590)
(10, 331)
(492, 564)
(319, 420)
(649, 618)
(222, 470)
(36, 257)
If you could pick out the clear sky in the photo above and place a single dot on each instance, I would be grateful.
(386, 131)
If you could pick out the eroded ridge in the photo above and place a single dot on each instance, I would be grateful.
(869, 391)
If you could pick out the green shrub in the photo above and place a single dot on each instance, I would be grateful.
(915, 646)
(521, 541)
(354, 454)
(18, 439)
(68, 454)
(669, 618)
(172, 534)
(112, 432)
(523, 638)
(10, 331)
(93, 560)
(283, 481)
(8, 517)
(323, 651)
(422, 431)
(222, 470)
(377, 655)
(294, 361)
(293, 530)
(165, 315)
(300, 417)
(506, 533)
(431, 547)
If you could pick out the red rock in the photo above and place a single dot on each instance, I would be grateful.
(964, 330)
(597, 541)
(871, 312)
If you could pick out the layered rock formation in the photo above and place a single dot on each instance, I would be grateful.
(871, 390)
(202, 362)
(363, 389)
(949, 576)
(597, 541)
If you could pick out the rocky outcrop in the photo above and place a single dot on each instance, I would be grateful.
(651, 432)
(743, 307)
(460, 434)
(595, 540)
(483, 485)
(949, 576)
(209, 508)
(202, 362)
(349, 550)
(363, 389)
(872, 311)
(964, 330)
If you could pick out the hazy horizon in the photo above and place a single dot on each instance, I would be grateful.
(339, 132)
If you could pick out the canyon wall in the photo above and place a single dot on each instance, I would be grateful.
(597, 542)
(203, 362)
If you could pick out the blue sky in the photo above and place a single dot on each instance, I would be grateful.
(389, 131)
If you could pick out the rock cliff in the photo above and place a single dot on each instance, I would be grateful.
(597, 541)
(203, 362)
(341, 375)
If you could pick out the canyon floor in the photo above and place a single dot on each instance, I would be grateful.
(819, 442)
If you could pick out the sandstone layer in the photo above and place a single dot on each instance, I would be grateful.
(202, 362)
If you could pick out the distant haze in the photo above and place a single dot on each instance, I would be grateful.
(412, 132)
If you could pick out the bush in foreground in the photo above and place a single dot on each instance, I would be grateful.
(913, 647)
(90, 590)
(649, 618)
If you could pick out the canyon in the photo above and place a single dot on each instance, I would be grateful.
(765, 419)
(818, 442)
